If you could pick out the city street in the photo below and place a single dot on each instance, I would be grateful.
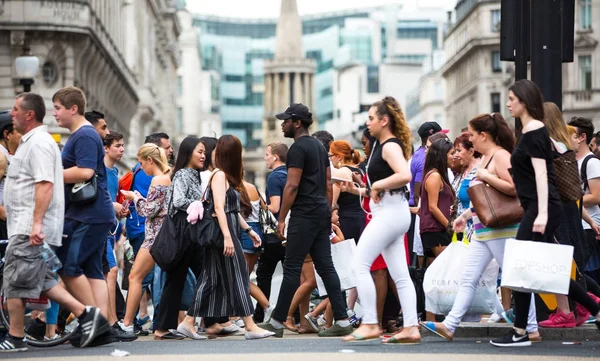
(293, 347)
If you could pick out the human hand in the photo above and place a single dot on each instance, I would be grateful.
(539, 225)
(228, 249)
(36, 237)
(255, 238)
(281, 230)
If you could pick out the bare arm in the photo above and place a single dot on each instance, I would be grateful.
(43, 197)
(593, 198)
(541, 182)
(329, 185)
(77, 175)
(503, 180)
(275, 204)
(586, 217)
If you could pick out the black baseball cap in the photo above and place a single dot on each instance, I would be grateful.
(428, 129)
(296, 111)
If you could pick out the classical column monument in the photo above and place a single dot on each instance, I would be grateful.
(289, 77)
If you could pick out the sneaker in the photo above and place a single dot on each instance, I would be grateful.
(36, 329)
(91, 325)
(582, 315)
(277, 332)
(239, 323)
(55, 337)
(321, 321)
(312, 321)
(590, 320)
(268, 312)
(512, 339)
(13, 344)
(559, 319)
(139, 331)
(354, 321)
(509, 315)
(336, 331)
(102, 339)
(495, 318)
(122, 335)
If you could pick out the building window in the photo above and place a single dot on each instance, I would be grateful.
(496, 64)
(179, 85)
(495, 21)
(338, 114)
(50, 73)
(495, 98)
(326, 92)
(585, 14)
(234, 78)
(373, 79)
(585, 72)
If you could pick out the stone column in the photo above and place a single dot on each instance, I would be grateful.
(298, 94)
(268, 92)
(286, 91)
(311, 87)
(306, 88)
(276, 96)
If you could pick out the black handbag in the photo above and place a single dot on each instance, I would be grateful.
(84, 192)
(172, 241)
(268, 223)
(207, 232)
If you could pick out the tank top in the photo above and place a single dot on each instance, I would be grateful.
(253, 217)
(348, 202)
(377, 167)
(428, 222)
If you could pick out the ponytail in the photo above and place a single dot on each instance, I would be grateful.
(390, 107)
(497, 128)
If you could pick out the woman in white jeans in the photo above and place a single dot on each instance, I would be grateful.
(491, 137)
(388, 175)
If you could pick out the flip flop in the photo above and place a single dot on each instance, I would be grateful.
(168, 336)
(430, 326)
(358, 338)
(392, 340)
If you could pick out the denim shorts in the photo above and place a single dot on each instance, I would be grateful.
(83, 249)
(247, 244)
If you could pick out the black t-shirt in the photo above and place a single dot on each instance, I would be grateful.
(308, 154)
(378, 168)
(533, 144)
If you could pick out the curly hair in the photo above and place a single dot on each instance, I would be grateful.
(390, 107)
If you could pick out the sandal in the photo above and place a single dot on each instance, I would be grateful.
(406, 341)
(358, 338)
(430, 326)
(168, 336)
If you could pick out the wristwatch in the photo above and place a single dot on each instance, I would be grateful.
(248, 230)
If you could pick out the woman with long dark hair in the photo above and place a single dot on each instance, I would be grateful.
(533, 172)
(491, 137)
(185, 189)
(437, 198)
(223, 286)
(388, 176)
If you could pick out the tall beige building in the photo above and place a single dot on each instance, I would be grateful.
(477, 81)
(289, 77)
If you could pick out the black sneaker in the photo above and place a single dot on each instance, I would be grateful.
(36, 329)
(91, 325)
(139, 331)
(102, 339)
(121, 335)
(13, 344)
(512, 339)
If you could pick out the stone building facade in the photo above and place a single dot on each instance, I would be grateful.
(122, 53)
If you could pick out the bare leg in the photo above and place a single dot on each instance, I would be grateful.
(100, 295)
(305, 288)
(506, 294)
(143, 264)
(143, 312)
(562, 302)
(352, 297)
(328, 316)
(255, 292)
(81, 289)
(380, 277)
(16, 312)
(321, 307)
(59, 295)
(111, 282)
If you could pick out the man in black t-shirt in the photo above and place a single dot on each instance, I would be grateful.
(308, 194)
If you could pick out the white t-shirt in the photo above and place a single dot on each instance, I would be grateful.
(593, 171)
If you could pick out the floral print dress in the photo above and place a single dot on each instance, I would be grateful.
(154, 209)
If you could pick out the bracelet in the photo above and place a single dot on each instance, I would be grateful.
(248, 230)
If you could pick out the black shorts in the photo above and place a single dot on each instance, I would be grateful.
(434, 239)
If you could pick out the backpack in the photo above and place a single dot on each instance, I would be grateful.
(125, 183)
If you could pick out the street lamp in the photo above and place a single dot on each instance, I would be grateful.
(27, 67)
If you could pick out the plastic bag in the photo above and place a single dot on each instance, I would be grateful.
(443, 278)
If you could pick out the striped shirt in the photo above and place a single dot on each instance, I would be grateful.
(483, 233)
(37, 159)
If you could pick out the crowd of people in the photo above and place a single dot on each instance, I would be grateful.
(188, 230)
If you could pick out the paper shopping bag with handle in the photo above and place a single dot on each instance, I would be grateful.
(537, 267)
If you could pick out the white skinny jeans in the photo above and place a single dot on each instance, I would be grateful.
(478, 258)
(385, 235)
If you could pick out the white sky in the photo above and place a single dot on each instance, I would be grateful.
(270, 8)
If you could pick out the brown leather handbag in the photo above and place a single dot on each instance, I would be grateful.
(494, 208)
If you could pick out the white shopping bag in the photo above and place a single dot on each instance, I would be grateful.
(37, 304)
(342, 254)
(443, 279)
(537, 267)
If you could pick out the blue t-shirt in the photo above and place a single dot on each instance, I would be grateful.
(135, 224)
(275, 184)
(84, 149)
(417, 165)
(113, 182)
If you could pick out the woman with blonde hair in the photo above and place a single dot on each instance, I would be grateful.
(388, 176)
(153, 161)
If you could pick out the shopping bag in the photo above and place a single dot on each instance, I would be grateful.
(38, 304)
(443, 279)
(537, 267)
(342, 254)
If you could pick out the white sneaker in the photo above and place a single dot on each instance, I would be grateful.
(321, 322)
(495, 318)
(239, 323)
(128, 329)
(268, 313)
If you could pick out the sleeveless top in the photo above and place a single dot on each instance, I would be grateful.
(348, 202)
(254, 217)
(428, 222)
(378, 168)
